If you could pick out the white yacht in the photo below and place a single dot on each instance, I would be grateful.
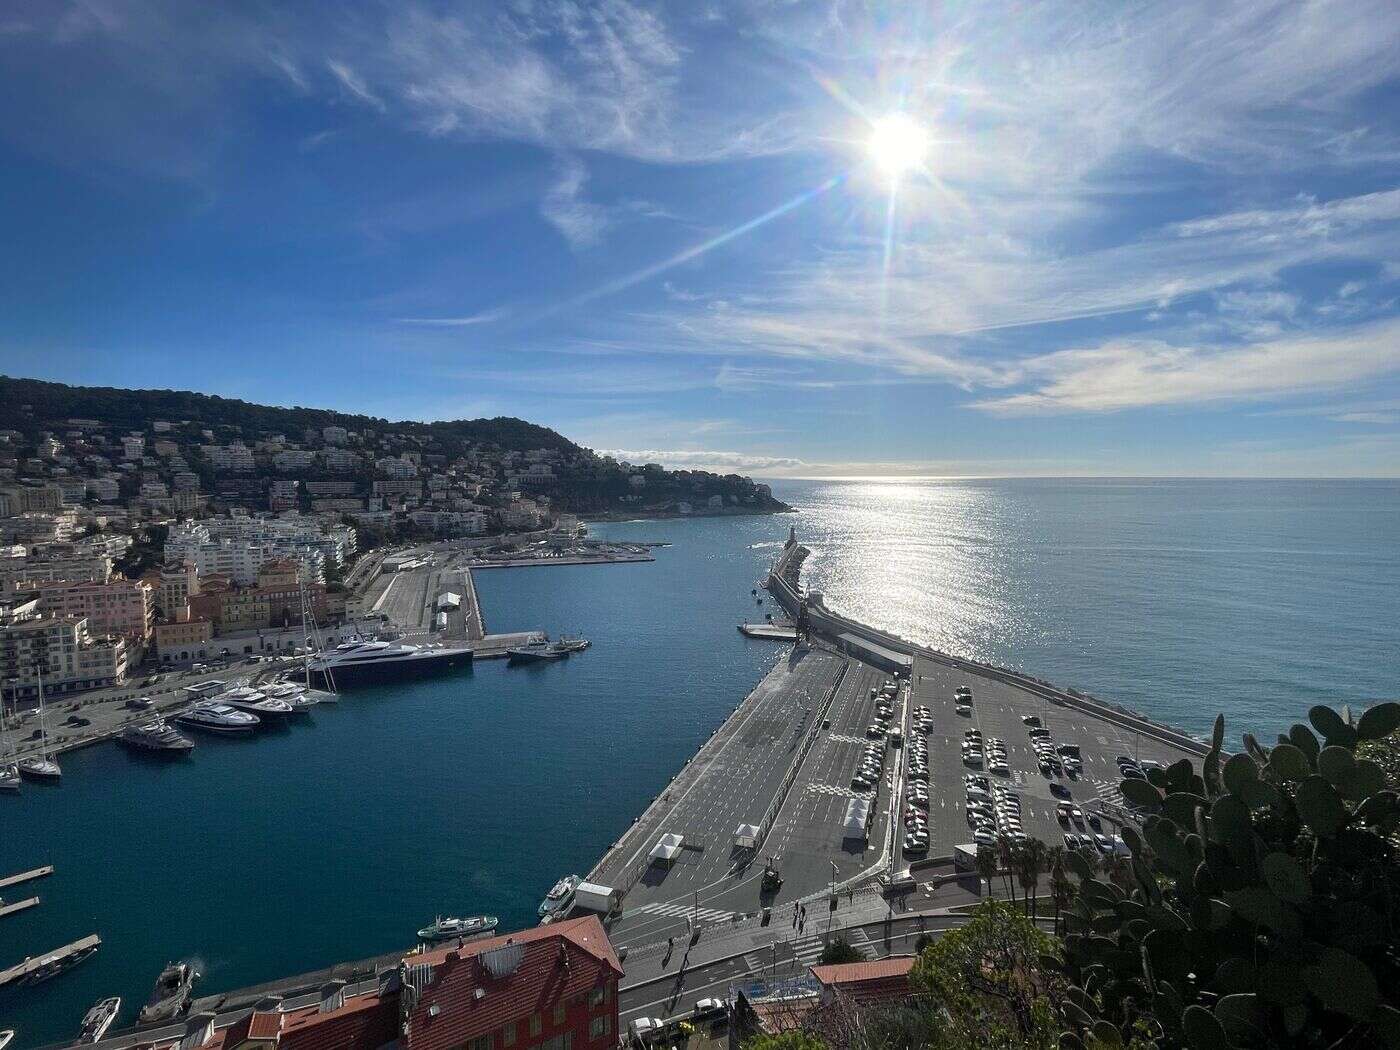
(41, 766)
(97, 1020)
(558, 900)
(365, 662)
(268, 709)
(214, 717)
(157, 735)
(300, 699)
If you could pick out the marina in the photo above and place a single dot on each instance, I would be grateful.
(15, 907)
(39, 968)
(26, 876)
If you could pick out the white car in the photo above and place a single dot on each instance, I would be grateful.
(711, 1006)
(644, 1026)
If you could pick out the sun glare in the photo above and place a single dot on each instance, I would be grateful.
(897, 144)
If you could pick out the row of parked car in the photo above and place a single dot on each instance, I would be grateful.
(992, 810)
(962, 698)
(916, 786)
(872, 761)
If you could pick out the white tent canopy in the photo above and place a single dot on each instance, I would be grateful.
(667, 848)
(746, 836)
(857, 818)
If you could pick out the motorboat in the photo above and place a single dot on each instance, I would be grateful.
(244, 698)
(171, 995)
(210, 716)
(358, 663)
(9, 777)
(573, 645)
(157, 735)
(445, 928)
(100, 1018)
(298, 698)
(558, 899)
(6, 1037)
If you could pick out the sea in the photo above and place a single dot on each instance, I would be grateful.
(337, 838)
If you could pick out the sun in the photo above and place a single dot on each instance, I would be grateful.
(897, 144)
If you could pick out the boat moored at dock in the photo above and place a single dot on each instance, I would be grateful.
(560, 897)
(369, 662)
(100, 1018)
(210, 716)
(171, 996)
(270, 710)
(445, 928)
(156, 736)
(43, 967)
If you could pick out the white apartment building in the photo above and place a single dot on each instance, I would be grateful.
(449, 522)
(185, 481)
(74, 490)
(60, 649)
(335, 435)
(396, 467)
(133, 447)
(237, 456)
(294, 459)
(338, 459)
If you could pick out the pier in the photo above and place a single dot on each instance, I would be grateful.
(18, 906)
(59, 955)
(26, 876)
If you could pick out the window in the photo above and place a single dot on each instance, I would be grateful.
(559, 1013)
(536, 1024)
(596, 997)
(598, 1027)
(562, 1041)
(508, 1035)
(481, 1042)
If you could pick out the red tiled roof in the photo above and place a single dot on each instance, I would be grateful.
(265, 1025)
(851, 973)
(365, 1022)
(558, 961)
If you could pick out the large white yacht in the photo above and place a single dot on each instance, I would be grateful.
(367, 662)
(269, 709)
(214, 717)
(296, 696)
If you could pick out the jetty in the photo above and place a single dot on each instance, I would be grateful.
(25, 876)
(773, 632)
(17, 906)
(82, 947)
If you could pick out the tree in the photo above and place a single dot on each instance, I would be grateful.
(794, 1040)
(986, 865)
(991, 979)
(840, 950)
(1262, 905)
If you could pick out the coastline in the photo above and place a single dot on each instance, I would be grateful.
(664, 515)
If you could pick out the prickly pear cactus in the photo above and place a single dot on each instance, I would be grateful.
(1264, 904)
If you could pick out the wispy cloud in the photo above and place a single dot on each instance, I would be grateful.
(467, 321)
(580, 221)
(1137, 374)
(353, 83)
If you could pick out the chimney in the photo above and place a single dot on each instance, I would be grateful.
(332, 996)
(199, 1030)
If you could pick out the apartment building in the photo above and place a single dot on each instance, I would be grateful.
(117, 607)
(60, 650)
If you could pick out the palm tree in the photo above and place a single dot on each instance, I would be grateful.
(1029, 866)
(1062, 890)
(1006, 856)
(986, 865)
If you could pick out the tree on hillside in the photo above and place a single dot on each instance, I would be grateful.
(991, 980)
(1261, 906)
(794, 1040)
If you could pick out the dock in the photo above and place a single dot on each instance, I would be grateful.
(24, 969)
(18, 906)
(25, 876)
(772, 632)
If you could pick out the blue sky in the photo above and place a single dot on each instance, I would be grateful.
(1142, 239)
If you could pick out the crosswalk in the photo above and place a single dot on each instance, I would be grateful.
(799, 952)
(840, 792)
(682, 911)
(1110, 792)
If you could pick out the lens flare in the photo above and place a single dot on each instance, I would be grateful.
(897, 144)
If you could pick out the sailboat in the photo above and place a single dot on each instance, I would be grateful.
(310, 633)
(40, 766)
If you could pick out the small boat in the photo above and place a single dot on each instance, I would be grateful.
(171, 995)
(9, 777)
(558, 899)
(40, 767)
(6, 1037)
(300, 699)
(157, 735)
(446, 928)
(100, 1018)
(572, 645)
(211, 716)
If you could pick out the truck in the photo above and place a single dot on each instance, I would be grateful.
(591, 896)
(440, 620)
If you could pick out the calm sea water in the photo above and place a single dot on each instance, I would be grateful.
(335, 840)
